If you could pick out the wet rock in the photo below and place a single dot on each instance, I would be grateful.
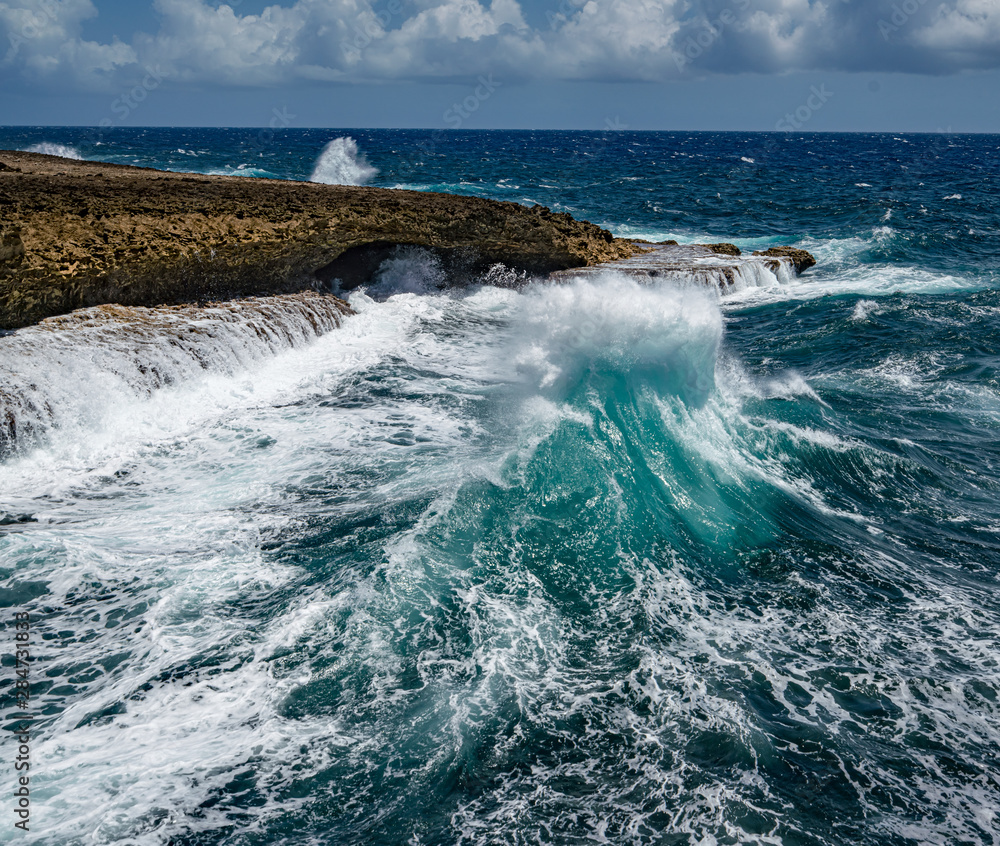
(691, 263)
(800, 259)
(723, 249)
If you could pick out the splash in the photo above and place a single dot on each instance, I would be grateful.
(411, 270)
(48, 149)
(665, 334)
(341, 163)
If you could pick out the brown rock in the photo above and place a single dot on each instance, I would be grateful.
(11, 249)
(801, 259)
(723, 249)
(102, 233)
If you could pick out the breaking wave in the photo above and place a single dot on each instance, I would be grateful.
(613, 560)
(124, 354)
(341, 163)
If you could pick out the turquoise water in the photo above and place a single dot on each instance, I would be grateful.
(596, 562)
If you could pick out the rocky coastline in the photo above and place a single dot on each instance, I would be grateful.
(76, 234)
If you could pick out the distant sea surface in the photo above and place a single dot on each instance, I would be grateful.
(595, 562)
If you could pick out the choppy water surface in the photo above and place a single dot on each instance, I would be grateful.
(597, 562)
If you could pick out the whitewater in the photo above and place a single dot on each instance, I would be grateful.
(607, 560)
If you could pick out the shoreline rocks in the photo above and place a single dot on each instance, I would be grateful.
(79, 233)
(75, 234)
(800, 259)
(703, 264)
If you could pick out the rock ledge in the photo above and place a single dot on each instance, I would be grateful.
(77, 233)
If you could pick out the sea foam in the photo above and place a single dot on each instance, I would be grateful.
(125, 354)
(669, 333)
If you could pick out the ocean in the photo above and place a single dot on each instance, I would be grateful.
(589, 562)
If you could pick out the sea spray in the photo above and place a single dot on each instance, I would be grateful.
(48, 148)
(341, 163)
(671, 333)
(123, 353)
(449, 576)
(410, 270)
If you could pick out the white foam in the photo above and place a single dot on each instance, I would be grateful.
(240, 170)
(863, 309)
(341, 163)
(443, 636)
(906, 373)
(614, 321)
(50, 149)
(787, 384)
(853, 280)
(125, 356)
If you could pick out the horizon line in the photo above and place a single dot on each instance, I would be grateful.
(506, 129)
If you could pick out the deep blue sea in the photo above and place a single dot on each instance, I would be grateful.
(579, 563)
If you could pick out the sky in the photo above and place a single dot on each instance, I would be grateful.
(804, 65)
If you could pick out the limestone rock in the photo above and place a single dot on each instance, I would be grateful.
(801, 259)
(723, 249)
(11, 249)
(101, 233)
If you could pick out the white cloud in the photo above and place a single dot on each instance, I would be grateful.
(43, 44)
(366, 40)
(617, 39)
(197, 41)
(969, 32)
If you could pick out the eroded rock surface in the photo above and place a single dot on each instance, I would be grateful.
(11, 249)
(800, 259)
(82, 233)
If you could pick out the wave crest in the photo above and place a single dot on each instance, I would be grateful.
(668, 336)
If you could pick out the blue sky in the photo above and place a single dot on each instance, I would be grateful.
(895, 65)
